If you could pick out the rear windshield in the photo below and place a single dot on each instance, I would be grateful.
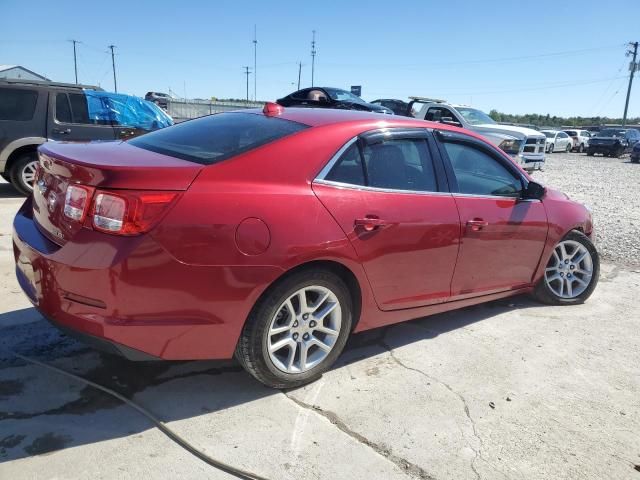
(571, 133)
(214, 138)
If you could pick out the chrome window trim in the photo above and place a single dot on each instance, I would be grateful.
(351, 186)
(327, 168)
(496, 197)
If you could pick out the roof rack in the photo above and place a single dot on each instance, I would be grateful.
(44, 83)
(426, 99)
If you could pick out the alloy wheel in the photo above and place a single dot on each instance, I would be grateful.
(304, 330)
(570, 269)
(28, 174)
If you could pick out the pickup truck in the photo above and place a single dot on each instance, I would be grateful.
(525, 145)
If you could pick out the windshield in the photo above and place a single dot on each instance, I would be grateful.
(611, 132)
(549, 134)
(343, 96)
(475, 117)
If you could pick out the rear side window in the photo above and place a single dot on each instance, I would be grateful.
(214, 138)
(17, 104)
(395, 164)
(72, 108)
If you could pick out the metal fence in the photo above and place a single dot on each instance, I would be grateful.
(183, 109)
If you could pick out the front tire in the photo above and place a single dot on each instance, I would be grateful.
(568, 149)
(571, 273)
(23, 173)
(581, 148)
(551, 148)
(297, 329)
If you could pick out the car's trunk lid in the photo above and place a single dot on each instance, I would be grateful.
(103, 165)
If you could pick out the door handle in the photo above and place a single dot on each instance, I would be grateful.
(369, 224)
(66, 131)
(477, 224)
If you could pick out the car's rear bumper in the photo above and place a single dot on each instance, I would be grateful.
(131, 296)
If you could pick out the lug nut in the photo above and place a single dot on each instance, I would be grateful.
(295, 336)
(568, 275)
(566, 261)
(295, 324)
(572, 267)
(561, 274)
(306, 336)
(312, 323)
(305, 316)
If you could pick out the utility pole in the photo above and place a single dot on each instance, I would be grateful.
(255, 64)
(299, 73)
(75, 60)
(247, 72)
(113, 64)
(633, 66)
(313, 55)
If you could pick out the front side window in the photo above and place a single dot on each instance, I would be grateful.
(478, 173)
(17, 104)
(215, 138)
(442, 115)
(475, 117)
(394, 164)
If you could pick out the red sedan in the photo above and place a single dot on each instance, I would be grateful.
(272, 235)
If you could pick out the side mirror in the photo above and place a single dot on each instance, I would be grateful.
(534, 191)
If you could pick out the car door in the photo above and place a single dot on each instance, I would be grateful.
(502, 235)
(387, 191)
(69, 119)
(566, 140)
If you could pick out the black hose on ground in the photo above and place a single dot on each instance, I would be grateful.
(231, 470)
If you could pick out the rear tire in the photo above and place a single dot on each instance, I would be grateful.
(23, 171)
(572, 272)
(581, 148)
(551, 148)
(280, 318)
(568, 149)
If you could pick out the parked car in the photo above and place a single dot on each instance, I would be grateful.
(273, 235)
(557, 141)
(613, 142)
(580, 139)
(329, 97)
(159, 98)
(397, 106)
(635, 153)
(526, 146)
(34, 112)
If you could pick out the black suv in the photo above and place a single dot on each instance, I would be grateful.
(34, 112)
(613, 142)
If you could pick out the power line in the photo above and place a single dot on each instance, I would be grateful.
(113, 65)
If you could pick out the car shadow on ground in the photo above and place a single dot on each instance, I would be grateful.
(68, 414)
(7, 191)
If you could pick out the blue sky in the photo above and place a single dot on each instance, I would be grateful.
(562, 58)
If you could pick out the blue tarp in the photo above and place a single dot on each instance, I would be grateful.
(125, 110)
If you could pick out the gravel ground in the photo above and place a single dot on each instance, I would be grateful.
(610, 187)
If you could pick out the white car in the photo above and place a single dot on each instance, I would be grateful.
(580, 139)
(525, 145)
(557, 141)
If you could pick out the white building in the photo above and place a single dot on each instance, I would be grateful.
(17, 72)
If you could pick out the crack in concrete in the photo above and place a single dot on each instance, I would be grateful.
(405, 466)
(477, 451)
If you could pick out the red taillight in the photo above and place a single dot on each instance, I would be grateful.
(129, 212)
(76, 202)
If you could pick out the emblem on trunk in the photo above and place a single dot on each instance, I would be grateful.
(51, 201)
(42, 186)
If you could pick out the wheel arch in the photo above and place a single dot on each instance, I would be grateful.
(336, 267)
(15, 149)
